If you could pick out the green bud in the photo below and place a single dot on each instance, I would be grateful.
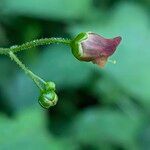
(50, 86)
(48, 99)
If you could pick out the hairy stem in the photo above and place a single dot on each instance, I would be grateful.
(38, 81)
(34, 43)
(48, 97)
(4, 51)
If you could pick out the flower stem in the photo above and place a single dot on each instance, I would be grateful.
(38, 81)
(48, 97)
(34, 43)
(4, 51)
(16, 48)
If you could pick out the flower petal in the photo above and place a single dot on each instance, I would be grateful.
(101, 61)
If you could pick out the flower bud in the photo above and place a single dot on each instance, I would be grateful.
(93, 47)
(50, 86)
(48, 99)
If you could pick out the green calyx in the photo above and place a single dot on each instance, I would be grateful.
(76, 46)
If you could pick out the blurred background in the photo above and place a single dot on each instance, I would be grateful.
(98, 109)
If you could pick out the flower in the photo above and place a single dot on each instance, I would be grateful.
(88, 46)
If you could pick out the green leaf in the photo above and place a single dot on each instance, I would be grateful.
(100, 126)
(27, 131)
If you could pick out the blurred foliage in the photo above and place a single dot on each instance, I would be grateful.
(19, 133)
(98, 109)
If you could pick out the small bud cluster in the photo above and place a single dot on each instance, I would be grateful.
(48, 97)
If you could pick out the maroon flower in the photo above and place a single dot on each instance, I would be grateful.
(93, 47)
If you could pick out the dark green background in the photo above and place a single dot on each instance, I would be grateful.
(98, 109)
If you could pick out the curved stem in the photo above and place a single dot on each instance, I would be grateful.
(48, 96)
(34, 43)
(38, 81)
